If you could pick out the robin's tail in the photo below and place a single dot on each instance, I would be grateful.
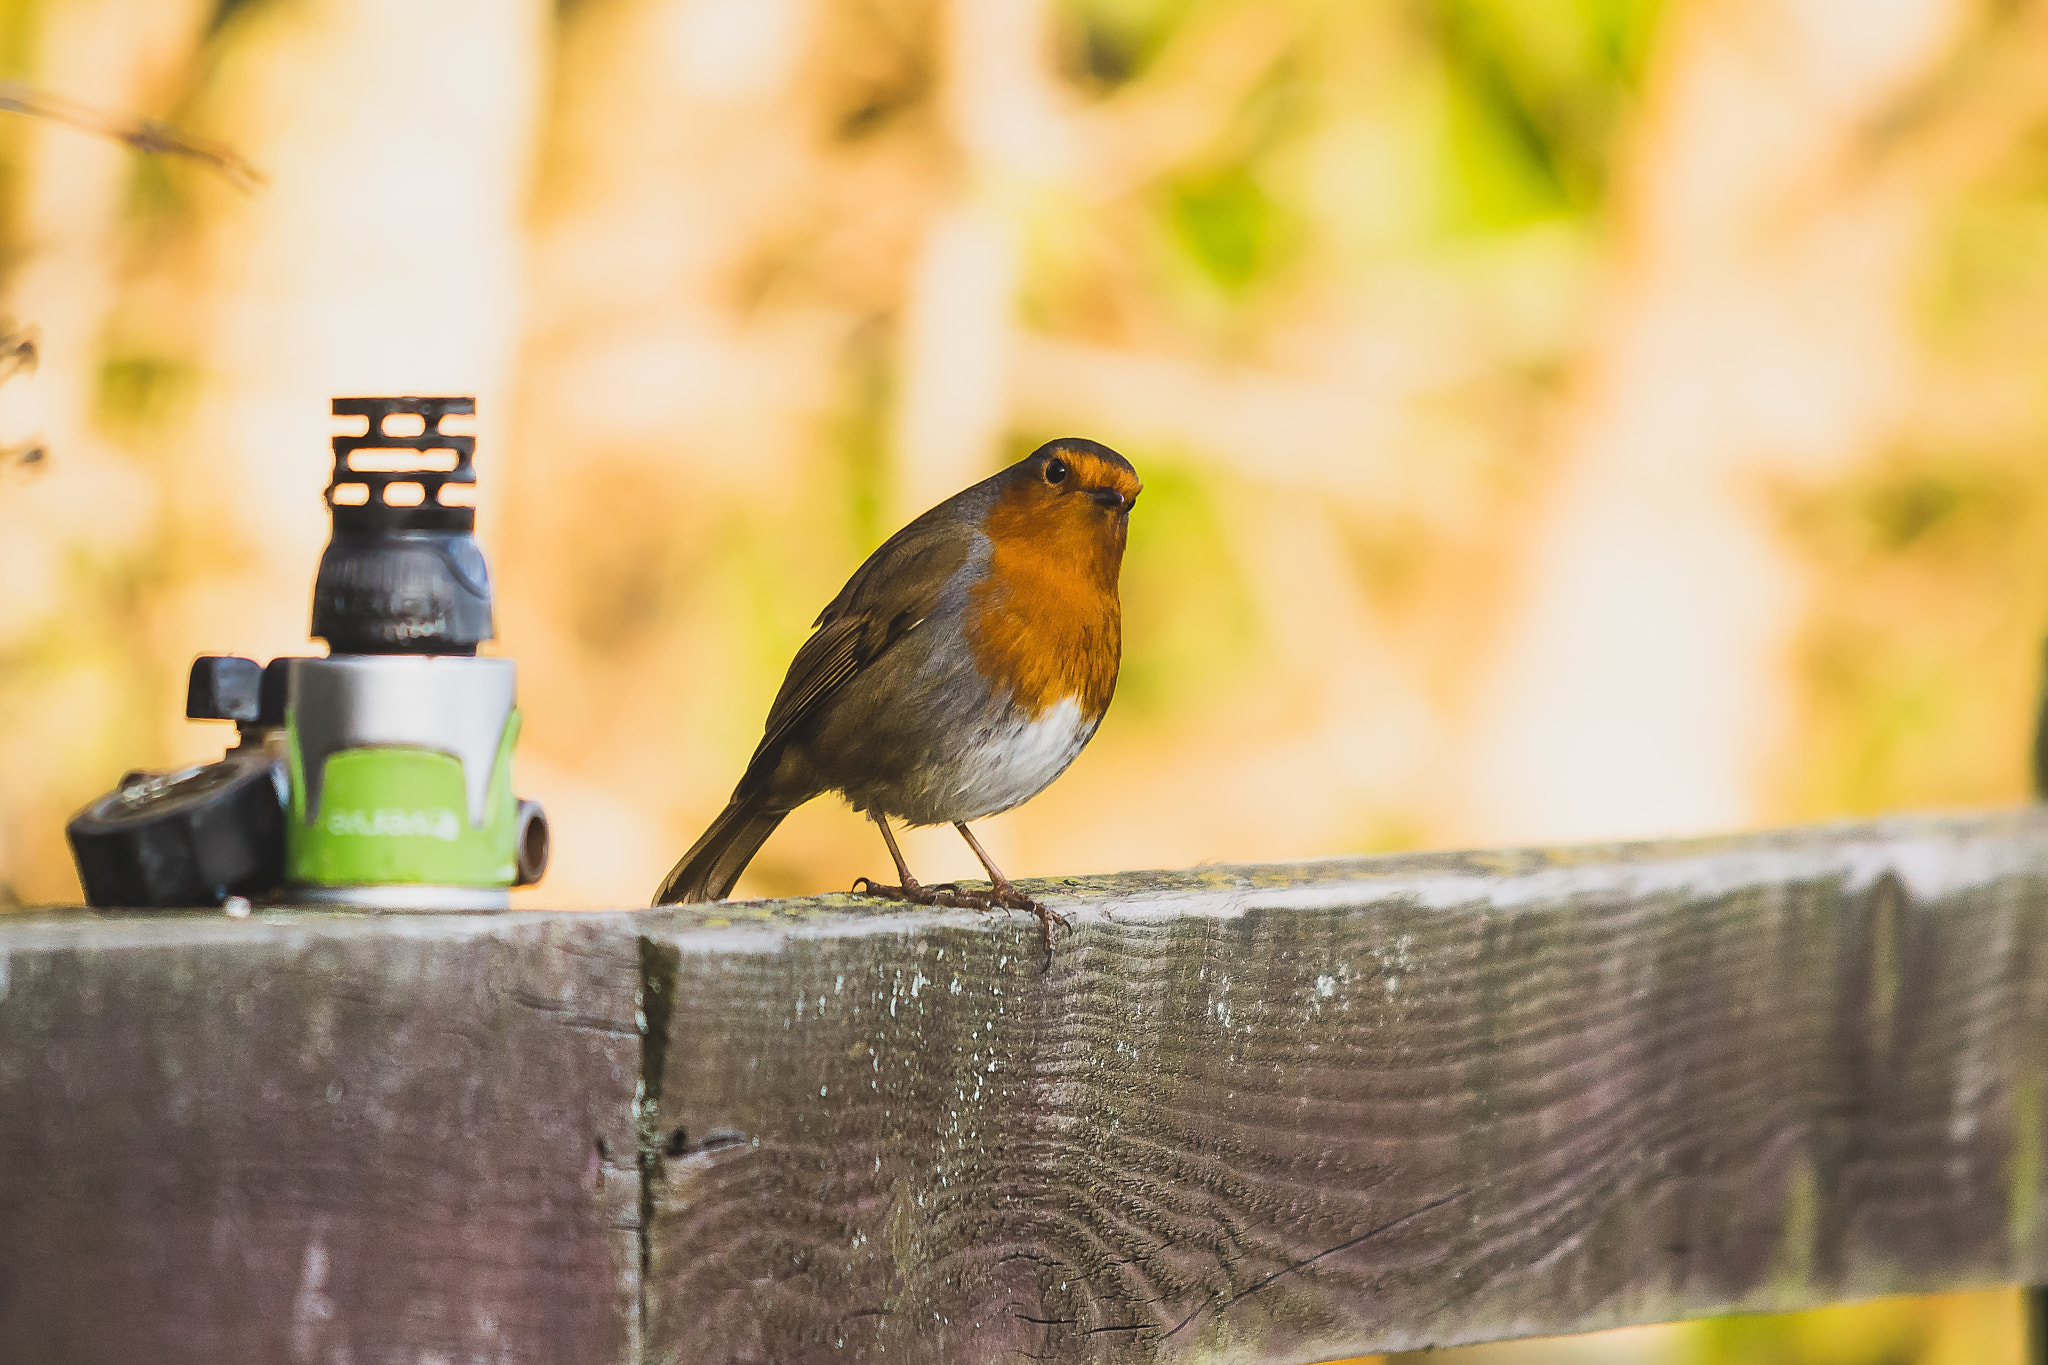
(707, 872)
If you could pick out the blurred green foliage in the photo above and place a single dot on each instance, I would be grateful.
(1536, 95)
(1227, 223)
(1882, 1332)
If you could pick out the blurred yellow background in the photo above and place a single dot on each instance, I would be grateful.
(1565, 420)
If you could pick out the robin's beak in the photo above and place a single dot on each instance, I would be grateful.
(1109, 499)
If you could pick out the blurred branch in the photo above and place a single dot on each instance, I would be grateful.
(1972, 108)
(17, 350)
(18, 354)
(1189, 97)
(143, 135)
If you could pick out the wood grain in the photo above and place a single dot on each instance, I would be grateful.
(318, 1138)
(1293, 1113)
(1246, 1114)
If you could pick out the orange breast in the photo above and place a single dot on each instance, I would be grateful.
(1045, 623)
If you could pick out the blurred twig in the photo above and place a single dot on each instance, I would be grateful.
(17, 349)
(18, 354)
(144, 135)
(148, 136)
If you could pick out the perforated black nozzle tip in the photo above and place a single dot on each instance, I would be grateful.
(407, 576)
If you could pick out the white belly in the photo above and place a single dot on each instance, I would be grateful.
(1017, 761)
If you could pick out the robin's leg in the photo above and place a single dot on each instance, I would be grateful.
(909, 888)
(1009, 896)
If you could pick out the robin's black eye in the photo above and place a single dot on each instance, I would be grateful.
(1055, 470)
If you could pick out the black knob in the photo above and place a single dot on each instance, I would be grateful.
(277, 678)
(224, 687)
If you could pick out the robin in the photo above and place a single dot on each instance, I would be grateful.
(958, 672)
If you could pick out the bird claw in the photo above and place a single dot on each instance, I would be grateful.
(1014, 899)
(914, 894)
(949, 895)
(1047, 917)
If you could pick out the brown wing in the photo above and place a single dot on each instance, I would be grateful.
(887, 597)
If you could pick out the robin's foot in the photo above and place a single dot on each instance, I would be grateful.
(1010, 898)
(949, 894)
(916, 893)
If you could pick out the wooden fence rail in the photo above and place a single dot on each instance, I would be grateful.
(1245, 1114)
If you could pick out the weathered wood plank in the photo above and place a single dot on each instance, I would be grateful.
(327, 1138)
(1261, 1114)
(1290, 1113)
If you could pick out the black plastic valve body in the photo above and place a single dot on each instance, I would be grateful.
(402, 577)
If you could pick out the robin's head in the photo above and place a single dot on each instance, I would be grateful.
(1069, 501)
(1075, 480)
